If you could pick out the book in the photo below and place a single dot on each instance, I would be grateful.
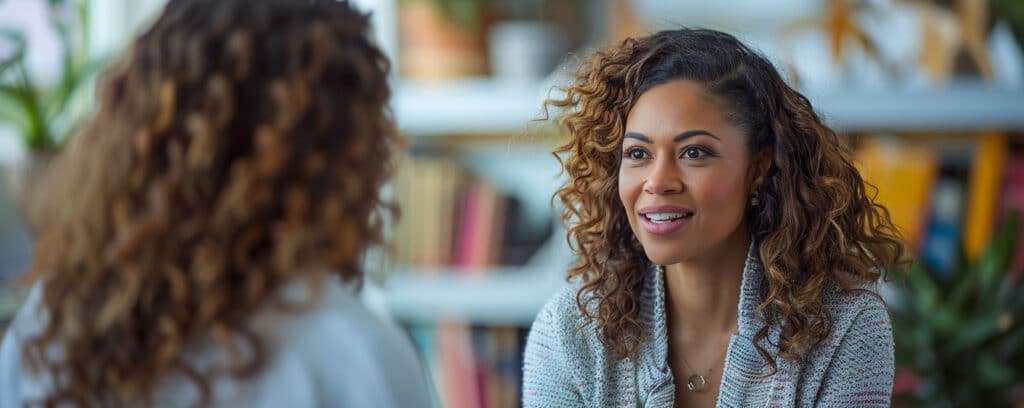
(1013, 200)
(505, 363)
(983, 191)
(941, 247)
(427, 195)
(458, 383)
(903, 173)
(481, 222)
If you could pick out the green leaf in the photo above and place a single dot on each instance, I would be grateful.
(924, 292)
(57, 10)
(994, 373)
(1012, 342)
(944, 320)
(1014, 301)
(78, 71)
(12, 111)
(18, 56)
(995, 259)
(963, 282)
(972, 333)
(922, 340)
(73, 80)
(1004, 293)
(35, 135)
(912, 338)
(42, 114)
(83, 12)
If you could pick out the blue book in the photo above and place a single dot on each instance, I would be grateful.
(940, 249)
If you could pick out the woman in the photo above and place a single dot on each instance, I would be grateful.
(209, 223)
(727, 246)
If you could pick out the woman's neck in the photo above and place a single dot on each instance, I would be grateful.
(703, 294)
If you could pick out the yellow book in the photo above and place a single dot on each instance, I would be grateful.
(904, 174)
(983, 187)
(400, 195)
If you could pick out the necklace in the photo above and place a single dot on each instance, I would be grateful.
(697, 382)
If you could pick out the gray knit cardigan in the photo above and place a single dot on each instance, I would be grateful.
(854, 367)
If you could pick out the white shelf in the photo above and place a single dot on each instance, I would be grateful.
(471, 106)
(960, 107)
(504, 296)
(491, 106)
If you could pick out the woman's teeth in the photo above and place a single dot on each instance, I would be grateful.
(665, 217)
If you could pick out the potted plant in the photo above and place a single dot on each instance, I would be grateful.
(44, 114)
(441, 39)
(960, 340)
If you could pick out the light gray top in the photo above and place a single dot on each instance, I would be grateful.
(566, 367)
(334, 354)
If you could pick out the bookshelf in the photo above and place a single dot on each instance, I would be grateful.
(429, 300)
(513, 295)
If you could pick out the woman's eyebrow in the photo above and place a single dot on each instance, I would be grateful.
(638, 136)
(675, 139)
(691, 133)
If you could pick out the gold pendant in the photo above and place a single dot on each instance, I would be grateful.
(696, 383)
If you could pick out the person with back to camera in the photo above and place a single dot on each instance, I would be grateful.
(208, 226)
(728, 250)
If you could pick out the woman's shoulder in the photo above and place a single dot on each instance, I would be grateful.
(338, 324)
(561, 314)
(341, 342)
(847, 304)
(856, 362)
(563, 304)
(16, 384)
(858, 312)
(554, 318)
(564, 356)
(561, 326)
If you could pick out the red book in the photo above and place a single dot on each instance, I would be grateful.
(1013, 200)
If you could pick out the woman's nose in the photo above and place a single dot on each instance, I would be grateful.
(664, 178)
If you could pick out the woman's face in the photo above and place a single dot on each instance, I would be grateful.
(684, 179)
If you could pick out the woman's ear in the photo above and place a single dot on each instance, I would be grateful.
(760, 163)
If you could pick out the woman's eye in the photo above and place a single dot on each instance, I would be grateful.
(692, 153)
(636, 154)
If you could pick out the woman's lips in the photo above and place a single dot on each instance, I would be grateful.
(664, 219)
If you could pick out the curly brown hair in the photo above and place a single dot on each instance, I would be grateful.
(239, 145)
(816, 223)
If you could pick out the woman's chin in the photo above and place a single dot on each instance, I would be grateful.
(665, 256)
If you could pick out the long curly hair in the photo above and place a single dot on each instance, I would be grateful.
(817, 222)
(238, 146)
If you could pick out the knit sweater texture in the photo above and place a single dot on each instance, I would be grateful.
(568, 366)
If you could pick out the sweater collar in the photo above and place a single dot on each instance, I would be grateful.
(654, 374)
(750, 294)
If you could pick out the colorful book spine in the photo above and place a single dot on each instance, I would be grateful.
(903, 174)
(1013, 200)
(983, 190)
(942, 241)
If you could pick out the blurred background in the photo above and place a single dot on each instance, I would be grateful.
(929, 92)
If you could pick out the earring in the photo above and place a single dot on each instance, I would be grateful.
(754, 199)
